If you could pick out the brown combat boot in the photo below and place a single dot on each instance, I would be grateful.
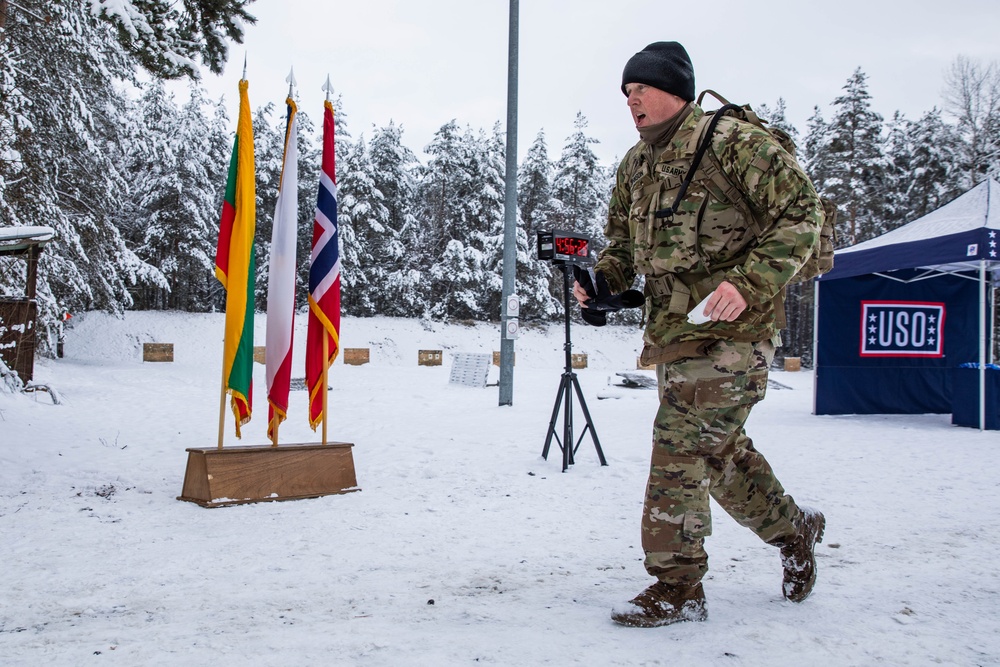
(662, 604)
(798, 555)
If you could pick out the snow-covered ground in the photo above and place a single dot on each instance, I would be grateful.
(464, 546)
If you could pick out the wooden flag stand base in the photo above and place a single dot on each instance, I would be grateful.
(218, 477)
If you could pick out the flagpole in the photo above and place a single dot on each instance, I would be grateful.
(327, 88)
(291, 92)
(222, 400)
(326, 370)
(236, 230)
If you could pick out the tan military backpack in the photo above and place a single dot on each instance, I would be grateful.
(821, 259)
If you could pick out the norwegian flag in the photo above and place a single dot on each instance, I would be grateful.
(324, 280)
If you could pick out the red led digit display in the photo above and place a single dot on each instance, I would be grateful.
(567, 245)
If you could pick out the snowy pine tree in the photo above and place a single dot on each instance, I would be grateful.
(175, 193)
(853, 164)
(535, 211)
(220, 149)
(393, 167)
(363, 218)
(447, 239)
(923, 166)
(13, 121)
(489, 186)
(269, 148)
(776, 118)
(580, 191)
(579, 187)
(534, 188)
(813, 153)
(68, 173)
(168, 39)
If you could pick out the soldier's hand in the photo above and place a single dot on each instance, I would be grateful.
(580, 294)
(726, 304)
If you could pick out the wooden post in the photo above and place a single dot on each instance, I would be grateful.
(34, 250)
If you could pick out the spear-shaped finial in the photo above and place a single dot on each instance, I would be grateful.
(244, 65)
(327, 87)
(291, 81)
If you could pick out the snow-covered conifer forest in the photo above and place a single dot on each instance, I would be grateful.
(132, 178)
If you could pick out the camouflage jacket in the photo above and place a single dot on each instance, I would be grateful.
(708, 240)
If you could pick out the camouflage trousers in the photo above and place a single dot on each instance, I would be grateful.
(700, 450)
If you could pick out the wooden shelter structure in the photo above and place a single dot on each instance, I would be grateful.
(20, 248)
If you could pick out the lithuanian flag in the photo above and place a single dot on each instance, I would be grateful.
(235, 267)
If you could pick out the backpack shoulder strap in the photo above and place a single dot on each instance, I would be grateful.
(700, 130)
(705, 133)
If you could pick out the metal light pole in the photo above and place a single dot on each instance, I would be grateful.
(509, 326)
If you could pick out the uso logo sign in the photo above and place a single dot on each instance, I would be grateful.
(902, 329)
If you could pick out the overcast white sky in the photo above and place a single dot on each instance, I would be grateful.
(424, 63)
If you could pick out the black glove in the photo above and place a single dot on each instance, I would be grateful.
(595, 318)
(592, 316)
(601, 298)
(582, 276)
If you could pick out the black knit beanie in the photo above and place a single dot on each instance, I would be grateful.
(663, 65)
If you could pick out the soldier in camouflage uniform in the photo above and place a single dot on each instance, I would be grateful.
(710, 375)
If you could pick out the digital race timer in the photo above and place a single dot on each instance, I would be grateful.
(564, 247)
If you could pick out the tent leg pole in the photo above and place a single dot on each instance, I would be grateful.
(993, 318)
(982, 344)
(815, 340)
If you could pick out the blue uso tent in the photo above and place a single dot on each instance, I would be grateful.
(899, 314)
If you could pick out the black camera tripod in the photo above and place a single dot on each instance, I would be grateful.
(565, 397)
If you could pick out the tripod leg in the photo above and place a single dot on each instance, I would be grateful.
(552, 422)
(590, 423)
(567, 459)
